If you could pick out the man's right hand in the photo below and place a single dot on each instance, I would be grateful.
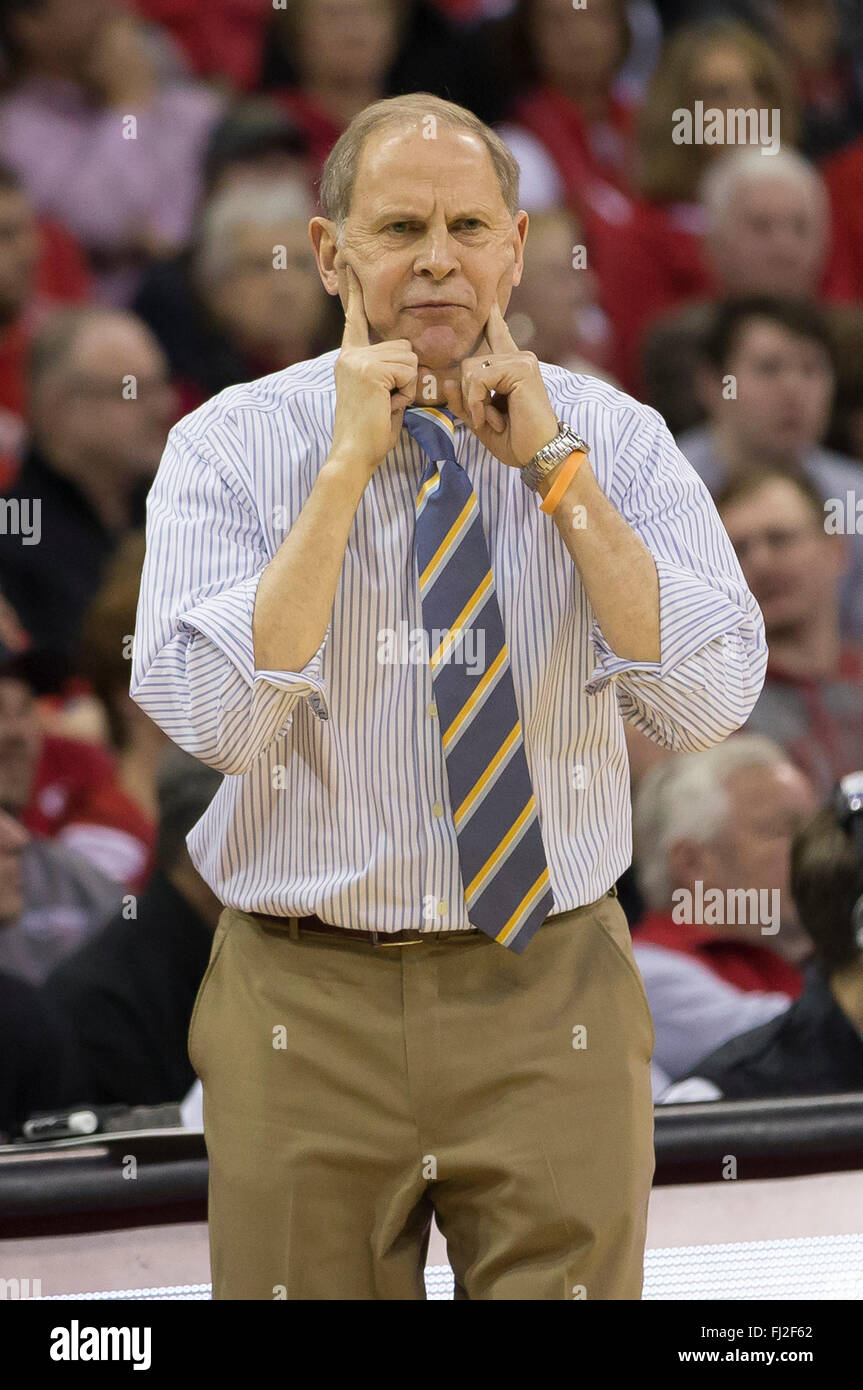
(374, 385)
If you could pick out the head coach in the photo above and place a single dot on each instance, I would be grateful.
(403, 596)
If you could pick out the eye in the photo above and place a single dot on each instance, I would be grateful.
(471, 224)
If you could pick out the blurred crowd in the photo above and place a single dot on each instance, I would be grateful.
(157, 175)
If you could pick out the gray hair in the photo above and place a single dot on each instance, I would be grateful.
(686, 798)
(340, 170)
(243, 205)
(54, 340)
(724, 174)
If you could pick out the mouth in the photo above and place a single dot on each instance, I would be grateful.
(432, 305)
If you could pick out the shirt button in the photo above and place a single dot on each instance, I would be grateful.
(431, 709)
(437, 809)
(441, 907)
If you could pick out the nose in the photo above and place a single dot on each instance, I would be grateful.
(436, 255)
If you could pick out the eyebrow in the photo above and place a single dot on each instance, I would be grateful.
(397, 214)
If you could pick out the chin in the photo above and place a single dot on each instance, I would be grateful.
(440, 348)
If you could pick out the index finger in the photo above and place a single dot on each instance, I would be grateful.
(356, 332)
(498, 335)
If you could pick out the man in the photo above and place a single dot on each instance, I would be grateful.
(100, 407)
(816, 1046)
(712, 835)
(422, 995)
(767, 387)
(63, 897)
(127, 994)
(812, 700)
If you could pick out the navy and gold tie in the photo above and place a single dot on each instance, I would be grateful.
(501, 854)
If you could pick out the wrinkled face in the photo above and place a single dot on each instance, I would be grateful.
(752, 849)
(768, 806)
(431, 240)
(784, 392)
(771, 240)
(790, 563)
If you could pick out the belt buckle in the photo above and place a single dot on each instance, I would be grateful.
(380, 939)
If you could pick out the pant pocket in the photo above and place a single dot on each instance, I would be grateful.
(220, 936)
(611, 920)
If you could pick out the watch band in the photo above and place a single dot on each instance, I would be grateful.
(546, 459)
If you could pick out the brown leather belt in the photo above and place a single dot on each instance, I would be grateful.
(298, 926)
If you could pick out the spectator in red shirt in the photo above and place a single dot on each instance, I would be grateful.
(654, 259)
(40, 266)
(64, 896)
(326, 60)
(226, 47)
(570, 106)
(340, 52)
(827, 61)
(712, 836)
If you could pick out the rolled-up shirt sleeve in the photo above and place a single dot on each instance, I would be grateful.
(713, 651)
(193, 663)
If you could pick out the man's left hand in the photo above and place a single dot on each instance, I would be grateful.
(501, 396)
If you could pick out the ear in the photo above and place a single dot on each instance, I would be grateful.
(519, 237)
(322, 233)
(687, 861)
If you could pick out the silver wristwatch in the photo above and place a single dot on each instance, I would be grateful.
(565, 442)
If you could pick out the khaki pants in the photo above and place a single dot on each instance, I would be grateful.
(350, 1090)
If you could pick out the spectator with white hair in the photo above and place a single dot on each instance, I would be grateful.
(712, 833)
(816, 1046)
(768, 233)
(247, 300)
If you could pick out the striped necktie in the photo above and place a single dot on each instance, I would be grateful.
(501, 854)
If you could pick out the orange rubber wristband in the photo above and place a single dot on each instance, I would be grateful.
(568, 470)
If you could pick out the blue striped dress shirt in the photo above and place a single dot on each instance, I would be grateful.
(335, 799)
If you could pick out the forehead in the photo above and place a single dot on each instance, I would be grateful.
(757, 335)
(397, 164)
(760, 192)
(777, 501)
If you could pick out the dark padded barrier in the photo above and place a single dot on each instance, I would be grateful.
(79, 1184)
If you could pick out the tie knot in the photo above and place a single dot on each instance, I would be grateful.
(433, 428)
